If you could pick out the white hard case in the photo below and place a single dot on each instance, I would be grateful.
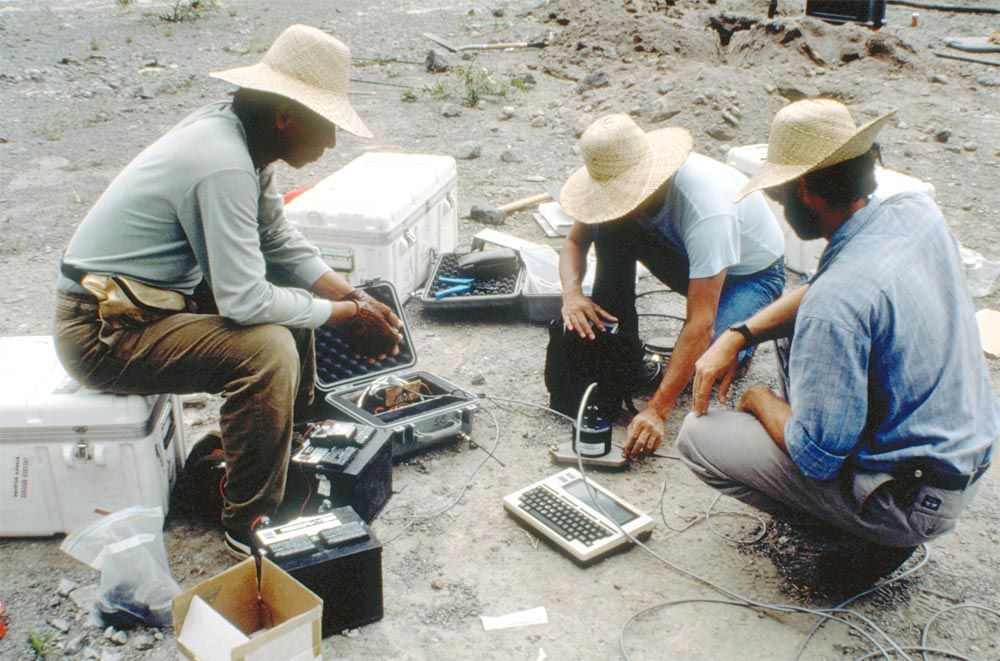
(803, 256)
(68, 453)
(383, 215)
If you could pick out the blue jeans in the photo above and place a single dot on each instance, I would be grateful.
(620, 245)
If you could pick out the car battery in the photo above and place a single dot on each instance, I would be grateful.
(803, 256)
(383, 215)
(337, 557)
(69, 453)
(342, 464)
(420, 410)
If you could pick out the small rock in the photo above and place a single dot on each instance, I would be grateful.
(486, 215)
(75, 644)
(795, 91)
(66, 586)
(143, 641)
(142, 92)
(119, 638)
(970, 146)
(107, 655)
(729, 118)
(436, 62)
(507, 112)
(661, 110)
(351, 633)
(498, 12)
(721, 132)
(437, 584)
(510, 156)
(942, 135)
(59, 624)
(939, 79)
(237, 49)
(478, 380)
(901, 125)
(538, 122)
(665, 87)
(592, 81)
(466, 151)
(91, 653)
(158, 635)
(769, 89)
(110, 631)
(450, 110)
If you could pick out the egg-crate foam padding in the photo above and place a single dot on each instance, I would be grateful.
(482, 292)
(335, 361)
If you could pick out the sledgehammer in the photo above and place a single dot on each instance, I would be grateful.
(496, 215)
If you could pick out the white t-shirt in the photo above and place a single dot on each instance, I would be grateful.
(699, 219)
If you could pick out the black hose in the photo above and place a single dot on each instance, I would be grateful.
(958, 9)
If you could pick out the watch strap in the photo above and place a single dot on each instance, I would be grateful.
(743, 330)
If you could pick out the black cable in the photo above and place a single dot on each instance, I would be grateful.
(958, 9)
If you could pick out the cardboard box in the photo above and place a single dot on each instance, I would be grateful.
(277, 616)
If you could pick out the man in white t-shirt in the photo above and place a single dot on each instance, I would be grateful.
(645, 197)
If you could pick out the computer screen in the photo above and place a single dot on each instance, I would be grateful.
(616, 512)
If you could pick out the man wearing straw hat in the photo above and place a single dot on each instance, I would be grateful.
(185, 277)
(890, 419)
(645, 197)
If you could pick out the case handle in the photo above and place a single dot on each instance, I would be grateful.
(438, 434)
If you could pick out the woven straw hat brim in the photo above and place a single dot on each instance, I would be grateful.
(775, 174)
(333, 106)
(591, 201)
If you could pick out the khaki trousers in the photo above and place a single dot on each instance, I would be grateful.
(732, 452)
(264, 373)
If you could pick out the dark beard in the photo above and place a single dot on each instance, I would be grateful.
(801, 219)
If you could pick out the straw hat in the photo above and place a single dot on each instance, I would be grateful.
(623, 167)
(309, 66)
(811, 135)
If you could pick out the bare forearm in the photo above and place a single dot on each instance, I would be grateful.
(693, 340)
(777, 319)
(332, 286)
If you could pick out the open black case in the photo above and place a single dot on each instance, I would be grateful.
(419, 409)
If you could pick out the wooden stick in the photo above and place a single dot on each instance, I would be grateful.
(525, 202)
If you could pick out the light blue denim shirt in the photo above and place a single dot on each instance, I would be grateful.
(886, 363)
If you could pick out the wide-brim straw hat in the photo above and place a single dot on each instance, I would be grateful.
(811, 135)
(308, 66)
(623, 166)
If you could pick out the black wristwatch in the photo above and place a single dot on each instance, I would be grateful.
(745, 332)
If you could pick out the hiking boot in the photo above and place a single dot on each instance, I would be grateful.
(241, 541)
(649, 377)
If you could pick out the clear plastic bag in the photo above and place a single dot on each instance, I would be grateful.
(980, 273)
(127, 548)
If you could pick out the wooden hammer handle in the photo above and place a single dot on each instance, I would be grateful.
(525, 202)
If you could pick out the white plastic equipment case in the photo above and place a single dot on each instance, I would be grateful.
(803, 256)
(383, 215)
(443, 413)
(68, 453)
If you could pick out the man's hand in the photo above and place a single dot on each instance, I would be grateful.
(644, 434)
(371, 333)
(772, 412)
(717, 364)
(581, 315)
(383, 309)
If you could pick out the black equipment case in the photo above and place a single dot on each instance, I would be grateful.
(866, 12)
(433, 411)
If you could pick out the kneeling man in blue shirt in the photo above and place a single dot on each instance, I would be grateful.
(890, 419)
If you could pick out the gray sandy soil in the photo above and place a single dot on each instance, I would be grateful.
(87, 84)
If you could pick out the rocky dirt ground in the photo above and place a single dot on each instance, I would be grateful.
(86, 84)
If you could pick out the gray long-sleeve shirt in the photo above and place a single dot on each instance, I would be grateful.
(192, 206)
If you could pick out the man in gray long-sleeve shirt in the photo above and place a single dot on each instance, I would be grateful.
(171, 282)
